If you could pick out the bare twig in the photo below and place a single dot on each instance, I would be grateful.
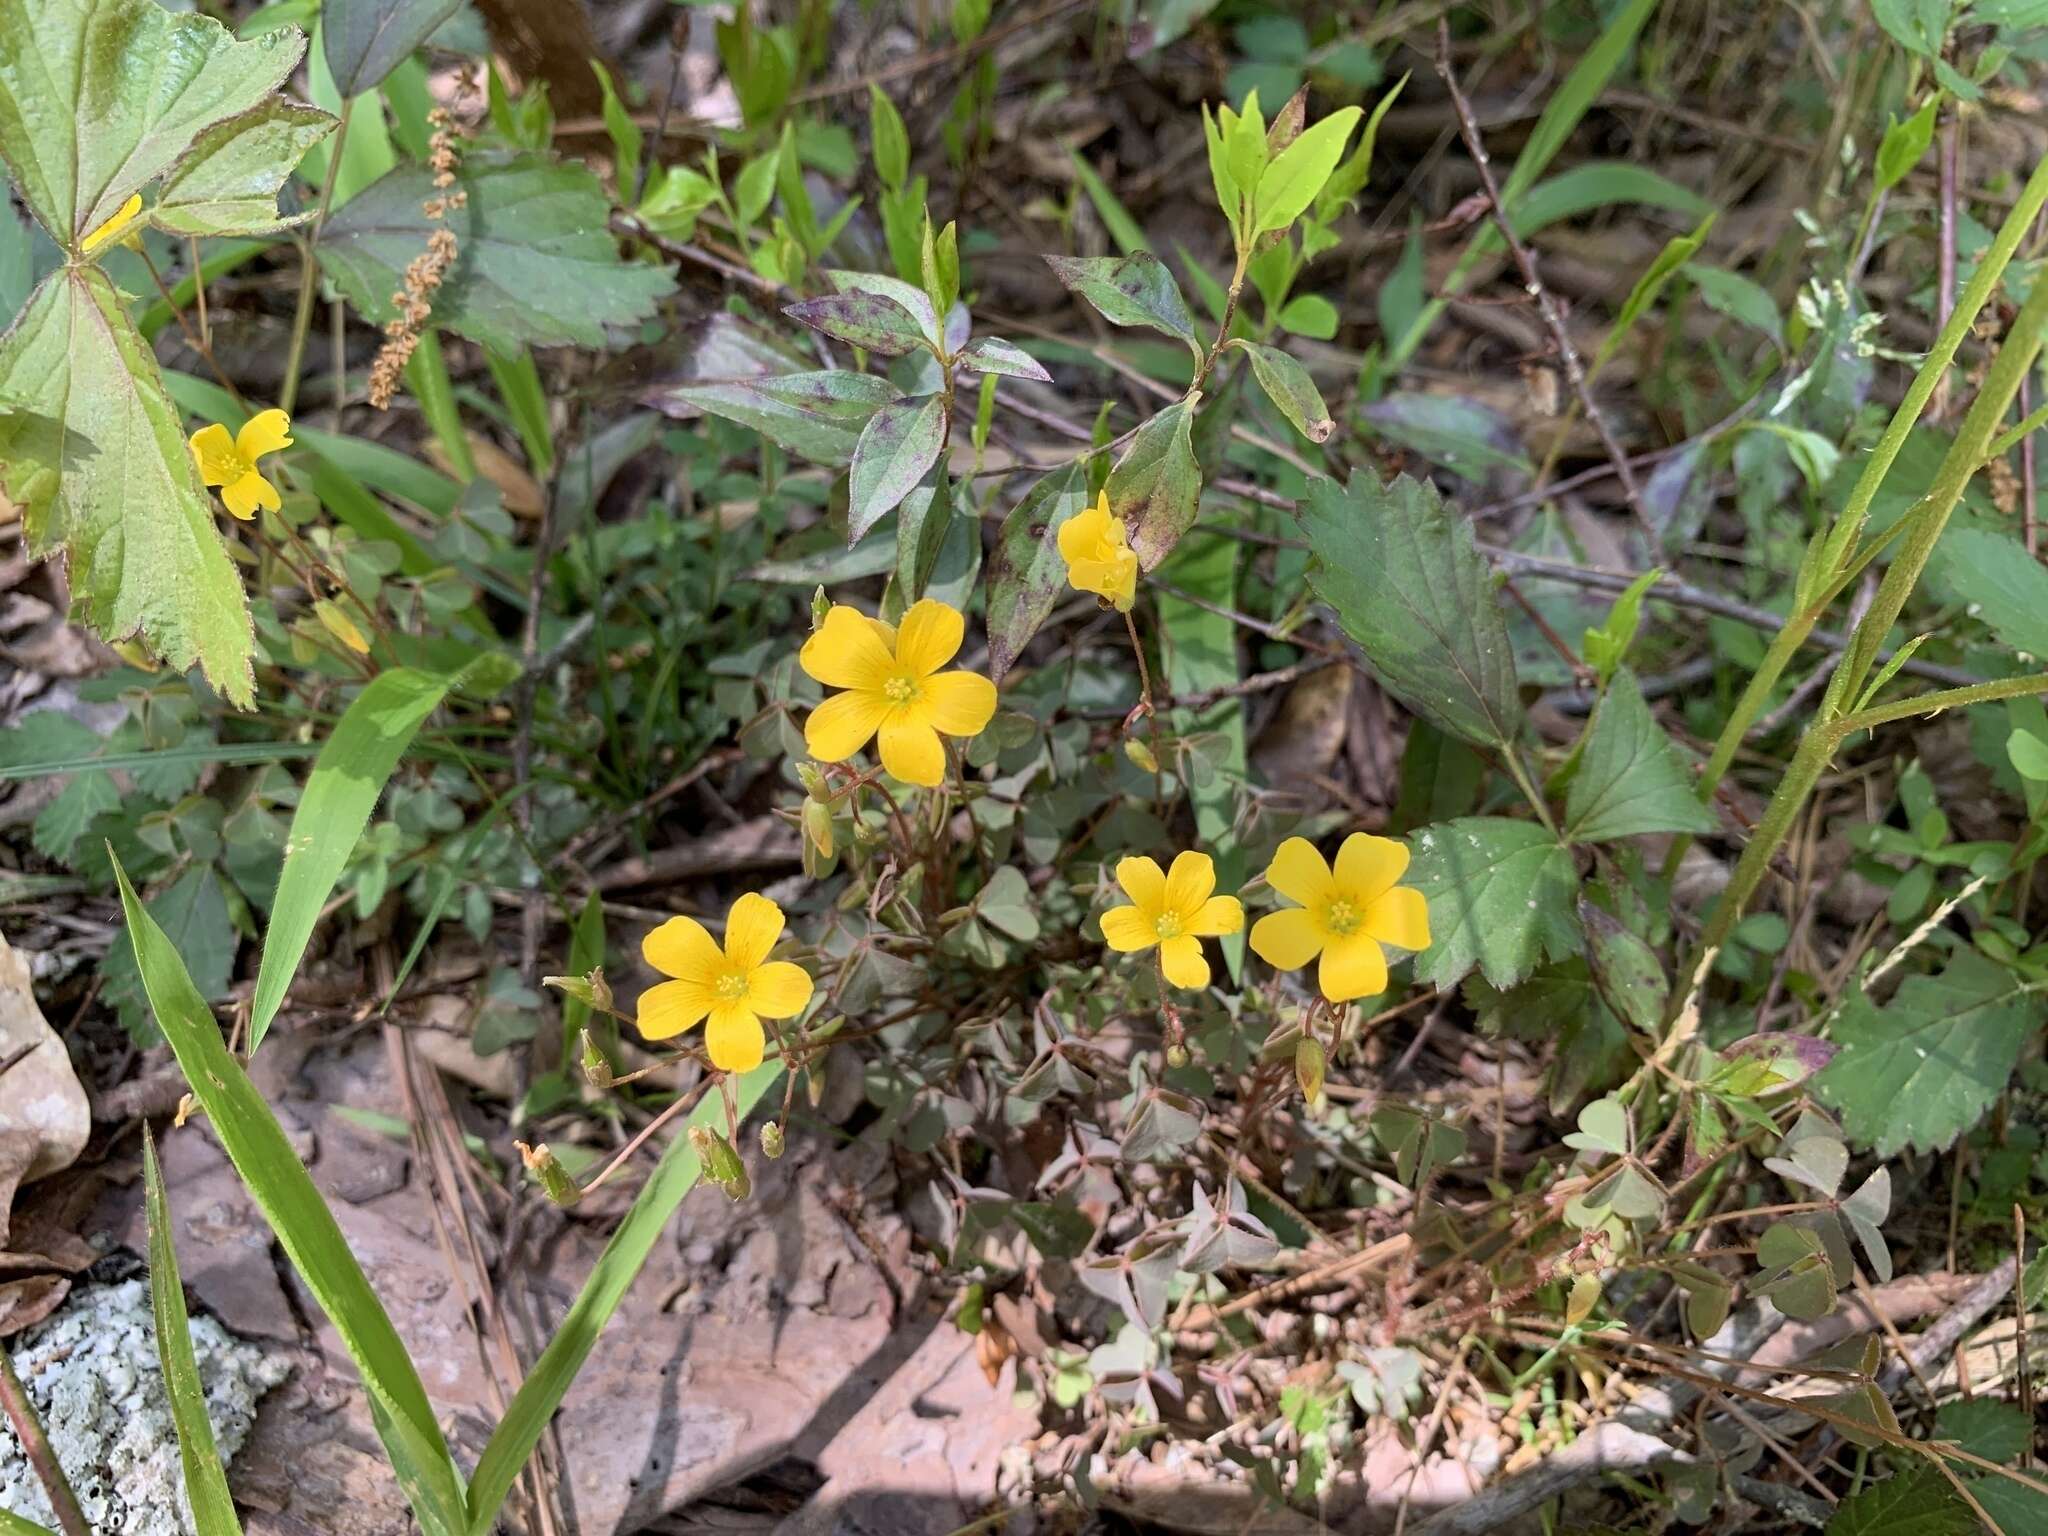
(28, 1428)
(1553, 317)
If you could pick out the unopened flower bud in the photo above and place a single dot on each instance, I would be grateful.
(547, 1169)
(1141, 754)
(1310, 1064)
(1177, 1055)
(722, 1165)
(597, 1070)
(820, 606)
(771, 1139)
(818, 827)
(813, 781)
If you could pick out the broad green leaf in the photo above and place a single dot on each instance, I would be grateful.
(1411, 588)
(1129, 290)
(193, 911)
(1625, 971)
(227, 183)
(117, 493)
(1310, 315)
(1500, 897)
(1419, 1143)
(900, 443)
(817, 416)
(1291, 181)
(536, 261)
(2016, 1506)
(1607, 647)
(1924, 1068)
(1630, 777)
(1027, 574)
(1560, 1005)
(1603, 1129)
(870, 321)
(991, 354)
(348, 776)
(1918, 1501)
(1919, 26)
(1289, 387)
(364, 40)
(1602, 184)
(1678, 250)
(206, 1482)
(305, 1228)
(1349, 179)
(100, 97)
(1904, 143)
(1797, 1278)
(1156, 487)
(1737, 297)
(888, 139)
(531, 1410)
(2000, 583)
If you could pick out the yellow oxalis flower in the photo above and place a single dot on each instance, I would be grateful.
(1097, 549)
(230, 462)
(1345, 915)
(734, 988)
(1174, 910)
(894, 689)
(114, 228)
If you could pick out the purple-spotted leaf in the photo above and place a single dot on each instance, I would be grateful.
(1157, 485)
(817, 416)
(991, 354)
(865, 320)
(1129, 290)
(901, 441)
(1026, 574)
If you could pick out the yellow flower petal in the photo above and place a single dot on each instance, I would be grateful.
(681, 948)
(1189, 883)
(214, 452)
(843, 724)
(733, 1038)
(265, 432)
(1217, 916)
(1368, 865)
(1128, 930)
(1353, 966)
(1182, 960)
(111, 228)
(242, 497)
(846, 652)
(1299, 873)
(1400, 917)
(1083, 534)
(959, 703)
(1287, 940)
(1121, 586)
(1144, 882)
(929, 636)
(672, 1007)
(751, 929)
(779, 990)
(911, 752)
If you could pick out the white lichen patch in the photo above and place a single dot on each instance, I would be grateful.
(91, 1370)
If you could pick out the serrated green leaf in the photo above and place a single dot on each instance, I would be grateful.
(1129, 290)
(1411, 588)
(1291, 181)
(342, 790)
(817, 416)
(118, 494)
(227, 183)
(897, 448)
(1289, 387)
(535, 263)
(100, 97)
(364, 40)
(1630, 777)
(1027, 574)
(1916, 1502)
(2001, 584)
(1924, 1068)
(1156, 487)
(1500, 897)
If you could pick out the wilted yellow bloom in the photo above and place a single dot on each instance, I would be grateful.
(1344, 915)
(1099, 557)
(1175, 911)
(734, 988)
(113, 227)
(894, 688)
(230, 462)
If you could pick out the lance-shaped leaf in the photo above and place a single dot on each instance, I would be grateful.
(1292, 179)
(1289, 387)
(535, 262)
(100, 97)
(992, 354)
(364, 40)
(1156, 487)
(1129, 290)
(900, 443)
(870, 321)
(1411, 588)
(227, 183)
(1630, 777)
(1026, 574)
(816, 416)
(905, 295)
(117, 493)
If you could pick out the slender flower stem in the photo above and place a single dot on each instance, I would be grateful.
(1146, 704)
(1520, 774)
(309, 268)
(28, 1428)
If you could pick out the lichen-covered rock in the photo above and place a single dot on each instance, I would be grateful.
(92, 1372)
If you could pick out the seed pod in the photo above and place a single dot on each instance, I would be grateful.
(1177, 1054)
(771, 1139)
(341, 626)
(1141, 754)
(577, 987)
(597, 1070)
(547, 1168)
(722, 1165)
(818, 826)
(1310, 1064)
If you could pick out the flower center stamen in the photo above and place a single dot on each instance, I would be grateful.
(731, 987)
(1342, 917)
(900, 690)
(1166, 925)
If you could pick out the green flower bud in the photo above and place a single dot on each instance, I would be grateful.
(771, 1139)
(1311, 1062)
(547, 1169)
(722, 1165)
(1141, 754)
(597, 1070)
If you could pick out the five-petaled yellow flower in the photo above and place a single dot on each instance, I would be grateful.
(1175, 911)
(1099, 556)
(1344, 915)
(894, 689)
(230, 462)
(734, 988)
(113, 227)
